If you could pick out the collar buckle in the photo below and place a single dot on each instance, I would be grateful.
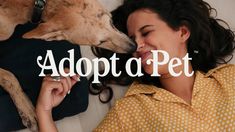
(39, 6)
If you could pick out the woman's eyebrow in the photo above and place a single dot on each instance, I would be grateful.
(142, 28)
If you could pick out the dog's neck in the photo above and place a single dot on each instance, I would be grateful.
(22, 10)
(52, 7)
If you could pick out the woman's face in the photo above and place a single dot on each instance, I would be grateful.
(151, 33)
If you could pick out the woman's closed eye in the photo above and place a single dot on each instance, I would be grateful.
(146, 33)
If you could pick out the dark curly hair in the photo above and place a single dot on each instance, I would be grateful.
(208, 45)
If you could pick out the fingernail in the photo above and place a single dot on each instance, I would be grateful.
(78, 79)
(64, 95)
(69, 92)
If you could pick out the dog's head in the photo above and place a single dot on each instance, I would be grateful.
(77, 21)
(81, 22)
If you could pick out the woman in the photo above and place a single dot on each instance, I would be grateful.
(202, 102)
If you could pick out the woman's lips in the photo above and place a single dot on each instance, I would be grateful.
(145, 56)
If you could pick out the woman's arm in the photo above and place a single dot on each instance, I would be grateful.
(45, 121)
(52, 94)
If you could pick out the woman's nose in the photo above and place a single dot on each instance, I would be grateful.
(140, 44)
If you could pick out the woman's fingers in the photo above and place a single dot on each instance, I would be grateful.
(53, 86)
(75, 78)
(66, 86)
(48, 93)
(72, 80)
(67, 82)
(54, 89)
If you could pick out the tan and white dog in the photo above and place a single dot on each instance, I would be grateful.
(81, 22)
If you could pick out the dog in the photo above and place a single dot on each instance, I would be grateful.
(81, 22)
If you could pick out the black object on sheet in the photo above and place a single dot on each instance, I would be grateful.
(19, 56)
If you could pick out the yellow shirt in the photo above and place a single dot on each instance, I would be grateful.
(146, 108)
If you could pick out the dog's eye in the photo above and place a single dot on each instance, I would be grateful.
(100, 14)
(102, 42)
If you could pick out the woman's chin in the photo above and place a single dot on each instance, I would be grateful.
(148, 69)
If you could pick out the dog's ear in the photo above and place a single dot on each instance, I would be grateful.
(46, 31)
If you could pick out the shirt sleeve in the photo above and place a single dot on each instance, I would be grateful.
(111, 122)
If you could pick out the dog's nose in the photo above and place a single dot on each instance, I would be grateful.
(132, 47)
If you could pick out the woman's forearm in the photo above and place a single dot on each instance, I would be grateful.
(52, 93)
(45, 121)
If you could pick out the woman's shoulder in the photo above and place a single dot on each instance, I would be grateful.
(222, 70)
(223, 73)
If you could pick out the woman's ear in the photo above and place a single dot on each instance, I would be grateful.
(184, 33)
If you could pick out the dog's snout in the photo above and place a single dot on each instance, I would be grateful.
(132, 47)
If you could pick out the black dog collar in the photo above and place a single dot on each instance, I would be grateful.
(39, 6)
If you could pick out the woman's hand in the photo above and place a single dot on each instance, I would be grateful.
(53, 91)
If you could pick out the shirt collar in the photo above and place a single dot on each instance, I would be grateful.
(210, 72)
(137, 88)
(162, 94)
(157, 93)
(201, 80)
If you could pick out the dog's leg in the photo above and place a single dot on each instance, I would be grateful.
(25, 108)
